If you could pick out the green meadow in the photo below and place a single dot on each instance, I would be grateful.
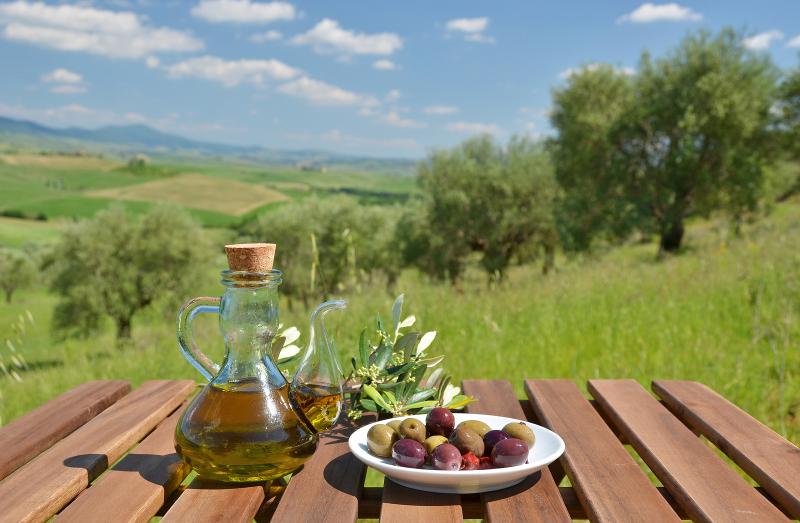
(726, 312)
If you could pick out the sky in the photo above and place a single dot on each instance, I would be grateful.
(374, 78)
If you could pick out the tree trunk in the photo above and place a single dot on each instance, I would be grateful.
(123, 330)
(9, 292)
(671, 236)
(549, 259)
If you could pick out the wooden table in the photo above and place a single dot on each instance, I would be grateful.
(102, 453)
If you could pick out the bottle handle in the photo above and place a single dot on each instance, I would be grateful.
(189, 348)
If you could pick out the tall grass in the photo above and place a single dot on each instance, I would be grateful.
(726, 312)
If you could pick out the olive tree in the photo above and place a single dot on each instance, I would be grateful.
(687, 135)
(480, 197)
(17, 271)
(114, 265)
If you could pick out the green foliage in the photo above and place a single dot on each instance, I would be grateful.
(389, 371)
(13, 341)
(17, 271)
(687, 135)
(328, 246)
(116, 265)
(480, 197)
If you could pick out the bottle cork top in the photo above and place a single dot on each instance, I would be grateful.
(250, 257)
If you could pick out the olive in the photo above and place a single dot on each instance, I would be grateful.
(446, 457)
(467, 440)
(510, 453)
(412, 428)
(478, 426)
(440, 421)
(408, 453)
(395, 424)
(380, 439)
(492, 438)
(520, 430)
(432, 442)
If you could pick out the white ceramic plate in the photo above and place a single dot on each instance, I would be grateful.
(548, 447)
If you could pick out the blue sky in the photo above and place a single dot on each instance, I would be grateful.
(376, 78)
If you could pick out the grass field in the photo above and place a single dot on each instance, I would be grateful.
(15, 232)
(197, 191)
(77, 187)
(725, 312)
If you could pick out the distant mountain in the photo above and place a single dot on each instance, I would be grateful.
(128, 139)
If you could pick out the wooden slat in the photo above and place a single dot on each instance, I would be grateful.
(535, 499)
(402, 504)
(45, 485)
(705, 486)
(27, 436)
(609, 484)
(770, 459)
(136, 486)
(207, 502)
(328, 486)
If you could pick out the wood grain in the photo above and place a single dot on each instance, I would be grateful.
(770, 459)
(535, 499)
(609, 484)
(45, 485)
(401, 504)
(208, 502)
(329, 485)
(136, 486)
(706, 487)
(27, 436)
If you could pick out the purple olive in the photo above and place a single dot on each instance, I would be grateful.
(510, 453)
(492, 438)
(409, 453)
(446, 457)
(440, 421)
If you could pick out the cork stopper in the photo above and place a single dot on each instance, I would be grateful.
(250, 257)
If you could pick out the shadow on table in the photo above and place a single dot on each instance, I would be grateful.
(157, 469)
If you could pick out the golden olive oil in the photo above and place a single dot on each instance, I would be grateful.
(319, 404)
(236, 432)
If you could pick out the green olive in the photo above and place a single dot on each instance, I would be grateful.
(395, 424)
(380, 439)
(412, 428)
(520, 430)
(433, 442)
(467, 440)
(478, 426)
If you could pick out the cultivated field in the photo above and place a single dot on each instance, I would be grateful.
(197, 191)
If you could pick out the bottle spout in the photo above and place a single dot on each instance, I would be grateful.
(318, 334)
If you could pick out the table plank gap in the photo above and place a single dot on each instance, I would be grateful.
(136, 486)
(768, 458)
(29, 435)
(538, 497)
(329, 485)
(401, 504)
(46, 484)
(608, 482)
(706, 487)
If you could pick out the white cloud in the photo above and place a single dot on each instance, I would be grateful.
(393, 95)
(468, 25)
(471, 29)
(474, 128)
(62, 76)
(327, 37)
(231, 73)
(243, 11)
(152, 62)
(670, 12)
(762, 41)
(384, 65)
(269, 36)
(321, 93)
(394, 119)
(440, 109)
(337, 137)
(568, 72)
(78, 28)
(794, 42)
